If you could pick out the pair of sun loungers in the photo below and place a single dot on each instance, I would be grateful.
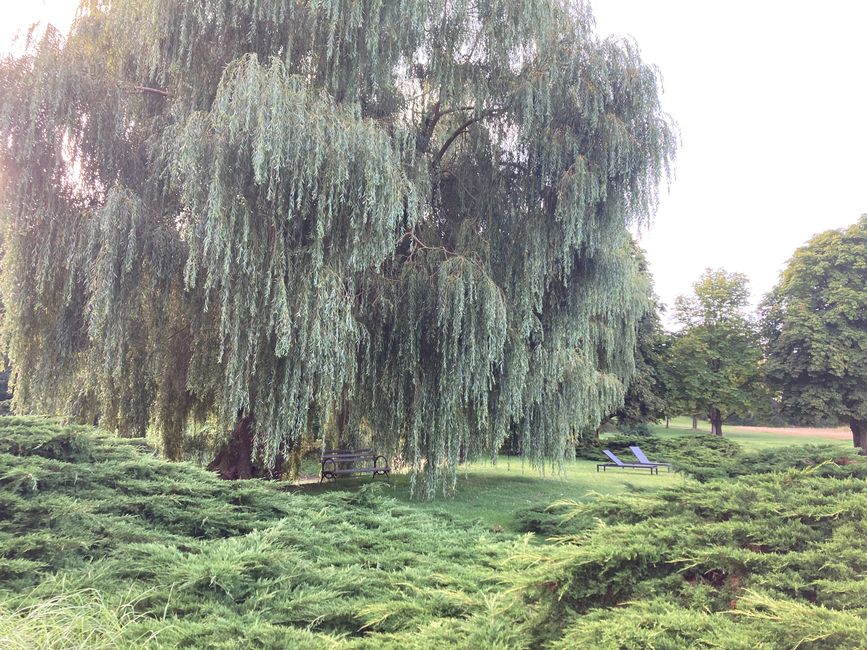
(643, 462)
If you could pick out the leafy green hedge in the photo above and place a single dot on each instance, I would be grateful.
(116, 548)
(771, 555)
(102, 545)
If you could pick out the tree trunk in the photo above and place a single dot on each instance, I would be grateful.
(235, 460)
(694, 422)
(859, 435)
(667, 421)
(347, 437)
(715, 418)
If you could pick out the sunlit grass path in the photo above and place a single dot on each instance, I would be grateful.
(492, 494)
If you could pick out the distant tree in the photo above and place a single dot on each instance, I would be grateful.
(715, 358)
(815, 326)
(645, 396)
(673, 398)
(405, 218)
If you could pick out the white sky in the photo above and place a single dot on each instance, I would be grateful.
(771, 100)
(17, 15)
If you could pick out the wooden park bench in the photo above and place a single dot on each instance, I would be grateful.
(344, 462)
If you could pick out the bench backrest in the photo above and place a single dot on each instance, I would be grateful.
(636, 450)
(330, 452)
(348, 455)
(614, 458)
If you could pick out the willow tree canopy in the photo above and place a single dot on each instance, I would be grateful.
(410, 213)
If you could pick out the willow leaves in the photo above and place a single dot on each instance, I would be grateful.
(409, 218)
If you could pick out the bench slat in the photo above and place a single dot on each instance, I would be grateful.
(359, 470)
(340, 458)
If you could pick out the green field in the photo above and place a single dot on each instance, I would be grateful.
(491, 494)
(103, 545)
(748, 439)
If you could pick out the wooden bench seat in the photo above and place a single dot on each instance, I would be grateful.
(345, 462)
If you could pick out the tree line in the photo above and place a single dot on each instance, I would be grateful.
(803, 355)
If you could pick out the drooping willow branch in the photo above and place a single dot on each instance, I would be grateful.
(258, 208)
(461, 130)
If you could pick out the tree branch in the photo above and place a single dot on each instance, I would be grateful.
(460, 131)
(155, 91)
(430, 122)
(457, 109)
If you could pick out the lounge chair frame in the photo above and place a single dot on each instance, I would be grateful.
(654, 469)
(642, 458)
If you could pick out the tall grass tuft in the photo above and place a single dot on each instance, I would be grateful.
(80, 619)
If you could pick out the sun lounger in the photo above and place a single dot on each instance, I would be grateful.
(616, 462)
(636, 450)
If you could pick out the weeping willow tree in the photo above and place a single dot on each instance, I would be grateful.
(408, 217)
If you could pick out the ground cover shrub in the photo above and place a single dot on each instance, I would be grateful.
(170, 554)
(104, 545)
(74, 620)
(771, 559)
(704, 456)
(701, 446)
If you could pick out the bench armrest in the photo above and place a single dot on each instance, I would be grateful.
(384, 461)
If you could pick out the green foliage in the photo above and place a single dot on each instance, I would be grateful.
(766, 560)
(104, 545)
(411, 215)
(112, 546)
(705, 457)
(646, 398)
(760, 622)
(815, 324)
(681, 446)
(74, 620)
(715, 358)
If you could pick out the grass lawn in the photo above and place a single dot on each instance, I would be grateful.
(492, 494)
(750, 440)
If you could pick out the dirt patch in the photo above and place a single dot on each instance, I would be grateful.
(841, 433)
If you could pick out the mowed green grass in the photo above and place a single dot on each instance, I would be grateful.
(492, 494)
(750, 440)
